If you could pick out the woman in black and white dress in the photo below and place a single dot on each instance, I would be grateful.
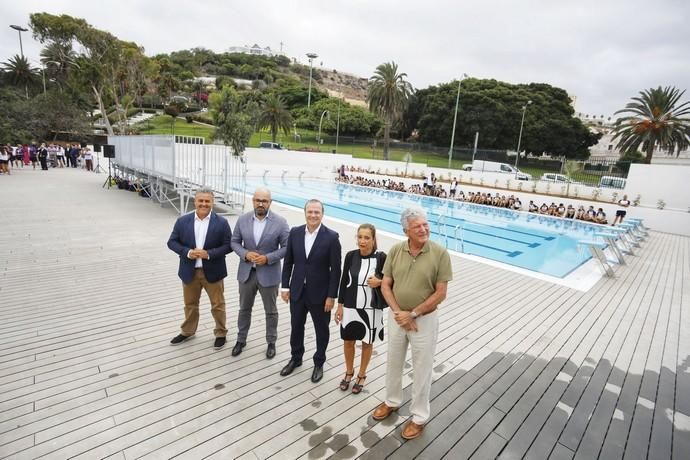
(357, 316)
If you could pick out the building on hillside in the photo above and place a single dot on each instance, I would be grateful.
(257, 50)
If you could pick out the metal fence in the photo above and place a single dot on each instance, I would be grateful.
(184, 162)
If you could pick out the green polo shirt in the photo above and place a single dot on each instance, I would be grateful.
(415, 278)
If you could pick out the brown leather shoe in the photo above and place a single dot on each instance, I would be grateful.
(412, 430)
(383, 411)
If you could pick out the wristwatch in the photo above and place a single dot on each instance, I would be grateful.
(413, 314)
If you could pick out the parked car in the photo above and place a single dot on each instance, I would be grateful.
(611, 182)
(467, 167)
(552, 177)
(271, 145)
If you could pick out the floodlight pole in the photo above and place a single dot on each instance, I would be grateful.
(455, 121)
(311, 57)
(522, 123)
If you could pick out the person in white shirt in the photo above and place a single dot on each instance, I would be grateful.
(202, 239)
(621, 211)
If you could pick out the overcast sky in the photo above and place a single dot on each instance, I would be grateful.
(602, 52)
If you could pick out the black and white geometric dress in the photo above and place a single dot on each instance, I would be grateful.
(360, 320)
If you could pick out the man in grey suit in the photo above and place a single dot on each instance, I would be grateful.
(260, 240)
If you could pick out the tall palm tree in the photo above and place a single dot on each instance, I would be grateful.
(274, 115)
(59, 59)
(388, 95)
(656, 119)
(20, 73)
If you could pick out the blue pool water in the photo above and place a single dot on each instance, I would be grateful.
(537, 243)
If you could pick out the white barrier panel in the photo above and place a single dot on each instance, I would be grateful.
(186, 163)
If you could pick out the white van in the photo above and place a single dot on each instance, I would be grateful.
(611, 182)
(496, 167)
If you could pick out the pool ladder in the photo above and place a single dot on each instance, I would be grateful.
(460, 227)
(443, 231)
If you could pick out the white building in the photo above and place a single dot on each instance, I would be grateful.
(256, 50)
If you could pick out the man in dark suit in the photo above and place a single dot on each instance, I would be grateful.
(202, 239)
(259, 240)
(311, 273)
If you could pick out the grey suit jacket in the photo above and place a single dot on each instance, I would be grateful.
(272, 244)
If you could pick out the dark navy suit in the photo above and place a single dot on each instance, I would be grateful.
(310, 280)
(218, 245)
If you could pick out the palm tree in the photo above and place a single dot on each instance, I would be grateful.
(656, 119)
(275, 116)
(59, 59)
(20, 73)
(388, 96)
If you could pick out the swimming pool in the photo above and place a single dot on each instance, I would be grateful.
(533, 242)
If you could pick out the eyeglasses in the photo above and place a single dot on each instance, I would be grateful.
(261, 201)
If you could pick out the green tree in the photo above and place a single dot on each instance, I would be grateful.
(657, 119)
(275, 116)
(19, 72)
(59, 61)
(388, 96)
(109, 68)
(233, 125)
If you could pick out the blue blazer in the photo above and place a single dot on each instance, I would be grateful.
(218, 241)
(317, 276)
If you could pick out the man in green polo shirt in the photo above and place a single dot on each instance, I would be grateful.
(415, 282)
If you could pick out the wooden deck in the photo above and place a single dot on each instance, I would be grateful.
(89, 300)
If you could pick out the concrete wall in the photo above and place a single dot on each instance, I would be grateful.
(655, 182)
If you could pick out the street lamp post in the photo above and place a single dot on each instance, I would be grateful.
(455, 120)
(311, 57)
(522, 123)
(318, 139)
(19, 30)
(337, 128)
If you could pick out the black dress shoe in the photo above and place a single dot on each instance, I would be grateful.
(237, 349)
(219, 343)
(179, 339)
(317, 374)
(271, 351)
(290, 366)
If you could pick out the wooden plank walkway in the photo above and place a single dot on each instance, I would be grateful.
(89, 300)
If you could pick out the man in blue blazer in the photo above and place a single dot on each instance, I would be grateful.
(259, 240)
(311, 273)
(202, 239)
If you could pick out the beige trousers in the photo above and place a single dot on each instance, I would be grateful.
(192, 294)
(422, 344)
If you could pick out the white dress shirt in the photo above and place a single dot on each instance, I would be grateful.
(200, 230)
(309, 239)
(259, 227)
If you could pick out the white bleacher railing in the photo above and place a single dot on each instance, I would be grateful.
(185, 162)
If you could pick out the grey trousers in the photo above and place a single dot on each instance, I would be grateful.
(269, 294)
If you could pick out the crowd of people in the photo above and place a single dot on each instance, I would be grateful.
(45, 156)
(431, 187)
(369, 291)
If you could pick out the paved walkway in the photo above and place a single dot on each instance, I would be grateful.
(89, 300)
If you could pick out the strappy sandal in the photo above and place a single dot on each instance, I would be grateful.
(345, 383)
(357, 387)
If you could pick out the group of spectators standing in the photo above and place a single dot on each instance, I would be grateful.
(51, 155)
(429, 187)
(405, 287)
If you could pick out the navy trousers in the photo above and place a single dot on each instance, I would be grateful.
(321, 320)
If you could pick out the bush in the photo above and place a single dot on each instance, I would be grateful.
(189, 118)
